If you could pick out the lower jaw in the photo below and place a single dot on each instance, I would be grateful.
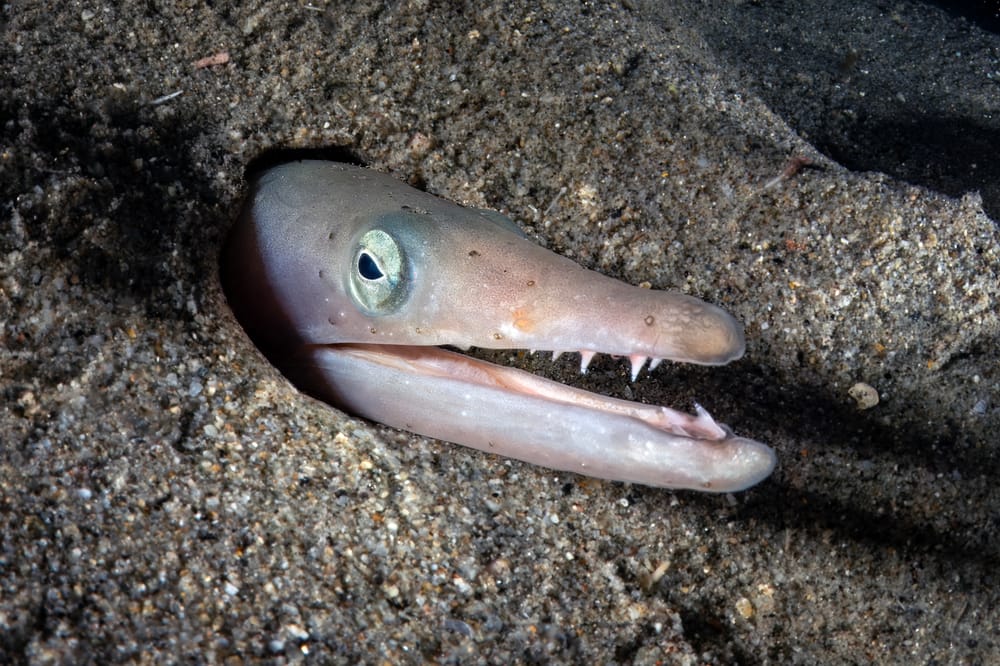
(450, 396)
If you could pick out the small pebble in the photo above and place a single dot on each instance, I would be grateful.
(864, 394)
(744, 608)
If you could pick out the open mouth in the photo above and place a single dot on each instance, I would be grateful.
(350, 281)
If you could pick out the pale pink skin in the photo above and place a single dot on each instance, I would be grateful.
(473, 281)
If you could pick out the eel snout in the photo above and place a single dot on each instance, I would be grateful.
(349, 279)
(498, 290)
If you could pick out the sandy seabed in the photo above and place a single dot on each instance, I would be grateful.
(166, 496)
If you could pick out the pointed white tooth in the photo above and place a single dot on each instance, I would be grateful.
(532, 351)
(637, 362)
(654, 363)
(556, 355)
(585, 358)
(705, 421)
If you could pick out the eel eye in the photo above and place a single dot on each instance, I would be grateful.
(378, 277)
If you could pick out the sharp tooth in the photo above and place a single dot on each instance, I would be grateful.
(585, 358)
(556, 355)
(707, 423)
(654, 363)
(532, 351)
(637, 363)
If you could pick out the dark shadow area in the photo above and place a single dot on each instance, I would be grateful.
(911, 92)
(116, 165)
(815, 517)
(277, 156)
(950, 155)
(884, 510)
(984, 13)
(96, 187)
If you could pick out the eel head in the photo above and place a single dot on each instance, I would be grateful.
(350, 281)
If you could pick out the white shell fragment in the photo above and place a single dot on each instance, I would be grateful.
(864, 394)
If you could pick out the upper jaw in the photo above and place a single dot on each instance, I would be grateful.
(561, 308)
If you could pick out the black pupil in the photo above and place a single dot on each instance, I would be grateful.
(368, 268)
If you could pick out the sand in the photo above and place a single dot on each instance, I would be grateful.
(829, 178)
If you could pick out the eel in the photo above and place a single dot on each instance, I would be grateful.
(351, 281)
